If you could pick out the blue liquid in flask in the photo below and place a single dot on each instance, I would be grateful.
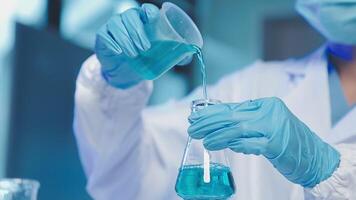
(190, 183)
(161, 57)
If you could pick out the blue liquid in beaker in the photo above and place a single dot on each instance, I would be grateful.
(161, 57)
(190, 183)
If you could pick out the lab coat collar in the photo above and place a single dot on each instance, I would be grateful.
(309, 101)
(345, 130)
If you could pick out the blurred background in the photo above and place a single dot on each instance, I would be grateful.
(44, 42)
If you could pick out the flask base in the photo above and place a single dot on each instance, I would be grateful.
(190, 184)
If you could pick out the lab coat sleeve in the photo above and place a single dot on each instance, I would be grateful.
(108, 128)
(342, 184)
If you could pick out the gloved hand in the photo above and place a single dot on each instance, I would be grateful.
(266, 126)
(121, 37)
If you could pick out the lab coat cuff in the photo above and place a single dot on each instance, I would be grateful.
(341, 185)
(90, 77)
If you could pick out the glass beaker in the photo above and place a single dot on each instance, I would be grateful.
(173, 37)
(18, 189)
(191, 181)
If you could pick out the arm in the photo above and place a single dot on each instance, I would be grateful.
(108, 127)
(267, 127)
(120, 139)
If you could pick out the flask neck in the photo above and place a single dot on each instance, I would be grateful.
(202, 103)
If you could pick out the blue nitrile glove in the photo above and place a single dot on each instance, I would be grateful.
(267, 127)
(121, 37)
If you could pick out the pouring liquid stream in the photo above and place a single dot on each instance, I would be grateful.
(210, 180)
(206, 163)
(202, 70)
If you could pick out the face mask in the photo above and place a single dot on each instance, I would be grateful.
(335, 19)
(344, 52)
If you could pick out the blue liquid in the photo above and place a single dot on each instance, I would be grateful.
(190, 184)
(162, 56)
(202, 70)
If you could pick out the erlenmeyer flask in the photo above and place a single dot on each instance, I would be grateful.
(198, 180)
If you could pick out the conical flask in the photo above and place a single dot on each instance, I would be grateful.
(204, 174)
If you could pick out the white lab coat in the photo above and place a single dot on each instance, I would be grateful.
(132, 152)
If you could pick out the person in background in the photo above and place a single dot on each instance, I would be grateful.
(294, 118)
